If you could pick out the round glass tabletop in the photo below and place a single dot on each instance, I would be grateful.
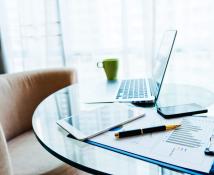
(81, 155)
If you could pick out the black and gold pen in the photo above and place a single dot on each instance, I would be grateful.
(136, 132)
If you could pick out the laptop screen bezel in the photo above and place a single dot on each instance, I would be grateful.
(156, 87)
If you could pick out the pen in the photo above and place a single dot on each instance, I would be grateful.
(136, 132)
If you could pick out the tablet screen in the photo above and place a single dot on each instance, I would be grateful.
(92, 122)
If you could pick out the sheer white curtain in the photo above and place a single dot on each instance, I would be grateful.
(31, 33)
(93, 30)
(45, 33)
(192, 60)
(78, 33)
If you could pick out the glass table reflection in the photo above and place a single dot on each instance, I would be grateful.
(89, 158)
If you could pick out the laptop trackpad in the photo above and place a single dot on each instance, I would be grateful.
(99, 91)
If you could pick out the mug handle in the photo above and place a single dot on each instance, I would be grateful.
(100, 64)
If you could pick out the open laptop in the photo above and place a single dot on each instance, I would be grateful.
(142, 90)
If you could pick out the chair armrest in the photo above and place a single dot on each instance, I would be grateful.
(5, 163)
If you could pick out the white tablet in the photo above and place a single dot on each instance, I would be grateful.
(88, 124)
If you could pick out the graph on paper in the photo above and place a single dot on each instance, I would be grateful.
(186, 135)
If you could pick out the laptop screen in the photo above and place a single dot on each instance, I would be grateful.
(162, 59)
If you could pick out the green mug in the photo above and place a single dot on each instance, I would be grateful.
(110, 65)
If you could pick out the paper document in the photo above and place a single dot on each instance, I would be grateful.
(182, 147)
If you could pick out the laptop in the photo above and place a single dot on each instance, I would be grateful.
(142, 90)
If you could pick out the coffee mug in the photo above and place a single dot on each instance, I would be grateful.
(110, 65)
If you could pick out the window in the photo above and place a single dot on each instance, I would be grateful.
(79, 33)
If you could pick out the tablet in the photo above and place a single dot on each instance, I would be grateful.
(88, 124)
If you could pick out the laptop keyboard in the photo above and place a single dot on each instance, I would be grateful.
(133, 88)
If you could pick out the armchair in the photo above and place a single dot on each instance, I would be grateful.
(20, 94)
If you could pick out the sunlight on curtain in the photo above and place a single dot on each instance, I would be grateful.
(79, 33)
(192, 60)
(93, 30)
(33, 34)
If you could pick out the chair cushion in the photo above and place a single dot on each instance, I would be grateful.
(29, 157)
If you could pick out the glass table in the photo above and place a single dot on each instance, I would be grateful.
(90, 158)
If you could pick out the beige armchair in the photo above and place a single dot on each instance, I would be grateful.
(20, 94)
